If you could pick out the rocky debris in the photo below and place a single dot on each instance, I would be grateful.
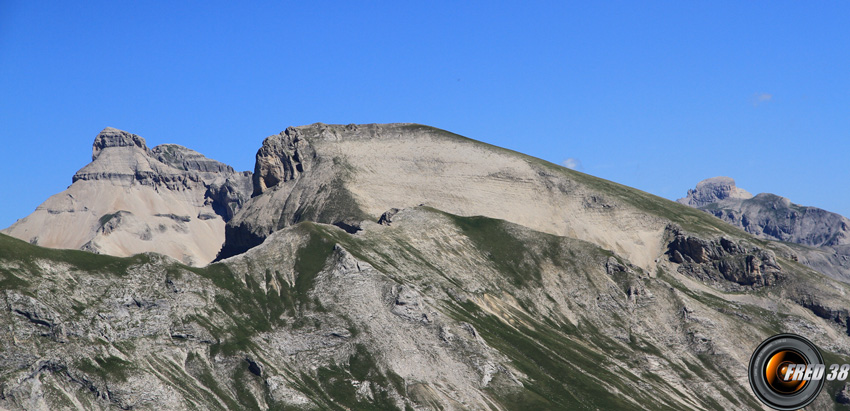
(37, 313)
(629, 280)
(110, 222)
(722, 260)
(408, 304)
(712, 190)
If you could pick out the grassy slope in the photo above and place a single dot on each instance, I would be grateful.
(561, 361)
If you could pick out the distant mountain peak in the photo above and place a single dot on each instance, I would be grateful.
(712, 190)
(132, 199)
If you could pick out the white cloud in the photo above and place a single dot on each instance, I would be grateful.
(760, 98)
(572, 163)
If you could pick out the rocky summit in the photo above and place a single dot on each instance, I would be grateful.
(712, 190)
(131, 199)
(404, 267)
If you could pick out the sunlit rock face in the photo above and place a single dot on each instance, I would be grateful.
(131, 199)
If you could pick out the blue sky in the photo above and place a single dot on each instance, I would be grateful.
(654, 95)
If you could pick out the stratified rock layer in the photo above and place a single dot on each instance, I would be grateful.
(131, 199)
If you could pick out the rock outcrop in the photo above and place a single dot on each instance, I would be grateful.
(769, 215)
(282, 158)
(723, 262)
(132, 199)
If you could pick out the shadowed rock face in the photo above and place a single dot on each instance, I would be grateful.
(120, 203)
(723, 262)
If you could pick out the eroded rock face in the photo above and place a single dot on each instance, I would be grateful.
(186, 159)
(282, 158)
(112, 137)
(723, 261)
(124, 201)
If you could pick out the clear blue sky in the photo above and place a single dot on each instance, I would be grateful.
(654, 95)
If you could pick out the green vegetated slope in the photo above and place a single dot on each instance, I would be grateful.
(435, 311)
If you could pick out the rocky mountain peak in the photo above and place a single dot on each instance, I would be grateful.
(132, 199)
(712, 190)
(113, 137)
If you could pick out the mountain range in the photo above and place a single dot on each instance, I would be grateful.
(400, 266)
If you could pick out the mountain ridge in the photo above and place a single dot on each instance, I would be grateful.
(401, 267)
